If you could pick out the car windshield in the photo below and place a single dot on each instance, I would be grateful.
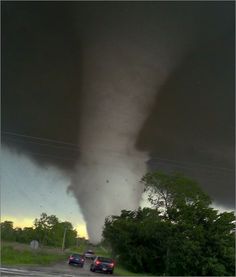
(105, 260)
(76, 255)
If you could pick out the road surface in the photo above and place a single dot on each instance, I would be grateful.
(58, 269)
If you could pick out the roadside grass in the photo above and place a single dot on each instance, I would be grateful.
(78, 249)
(99, 250)
(120, 271)
(12, 256)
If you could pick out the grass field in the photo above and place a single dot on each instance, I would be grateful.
(119, 270)
(13, 255)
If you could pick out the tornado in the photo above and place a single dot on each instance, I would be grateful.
(123, 71)
(114, 108)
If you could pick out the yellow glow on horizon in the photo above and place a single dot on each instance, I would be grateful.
(29, 222)
(19, 222)
(82, 230)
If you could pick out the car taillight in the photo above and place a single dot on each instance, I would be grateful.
(112, 264)
(82, 260)
(71, 258)
(97, 262)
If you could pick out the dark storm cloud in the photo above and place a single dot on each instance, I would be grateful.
(41, 80)
(193, 120)
(113, 79)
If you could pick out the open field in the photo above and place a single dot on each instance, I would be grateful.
(16, 256)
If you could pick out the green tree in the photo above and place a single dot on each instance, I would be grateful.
(7, 231)
(25, 235)
(169, 193)
(57, 233)
(136, 237)
(43, 228)
(181, 235)
(49, 231)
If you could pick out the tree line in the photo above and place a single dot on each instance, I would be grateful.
(47, 229)
(180, 235)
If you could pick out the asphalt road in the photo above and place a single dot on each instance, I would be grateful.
(59, 269)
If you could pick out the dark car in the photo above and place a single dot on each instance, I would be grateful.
(103, 264)
(76, 259)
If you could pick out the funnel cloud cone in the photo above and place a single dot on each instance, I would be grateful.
(110, 184)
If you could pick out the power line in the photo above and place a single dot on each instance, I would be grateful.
(193, 164)
(39, 138)
(43, 144)
(191, 167)
(118, 166)
(52, 156)
(17, 187)
(75, 147)
(24, 193)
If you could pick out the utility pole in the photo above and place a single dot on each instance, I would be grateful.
(64, 238)
(77, 242)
